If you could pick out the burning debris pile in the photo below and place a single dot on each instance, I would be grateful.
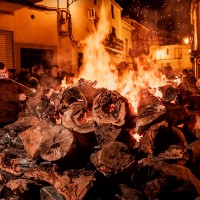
(89, 143)
(97, 142)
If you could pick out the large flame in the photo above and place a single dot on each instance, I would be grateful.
(96, 61)
(97, 66)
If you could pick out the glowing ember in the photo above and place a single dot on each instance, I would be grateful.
(85, 118)
(137, 137)
(109, 108)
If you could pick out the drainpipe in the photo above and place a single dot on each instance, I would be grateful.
(195, 43)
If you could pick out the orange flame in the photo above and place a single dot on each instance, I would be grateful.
(98, 66)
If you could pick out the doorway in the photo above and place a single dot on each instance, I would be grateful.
(30, 57)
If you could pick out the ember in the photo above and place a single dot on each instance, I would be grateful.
(137, 137)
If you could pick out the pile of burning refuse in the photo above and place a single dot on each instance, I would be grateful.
(89, 143)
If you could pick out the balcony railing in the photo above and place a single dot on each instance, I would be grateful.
(114, 43)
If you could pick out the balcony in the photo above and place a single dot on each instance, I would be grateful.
(114, 44)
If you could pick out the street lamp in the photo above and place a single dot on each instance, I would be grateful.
(186, 40)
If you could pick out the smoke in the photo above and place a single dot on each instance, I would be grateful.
(164, 16)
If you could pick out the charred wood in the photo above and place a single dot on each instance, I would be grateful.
(130, 193)
(150, 111)
(113, 158)
(109, 108)
(40, 107)
(175, 114)
(175, 154)
(168, 93)
(9, 140)
(55, 143)
(194, 155)
(194, 151)
(69, 96)
(194, 103)
(20, 186)
(106, 133)
(49, 193)
(160, 137)
(71, 188)
(184, 181)
(193, 123)
(78, 118)
(9, 164)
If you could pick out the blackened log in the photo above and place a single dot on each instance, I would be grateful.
(150, 111)
(69, 96)
(159, 137)
(68, 148)
(194, 152)
(175, 154)
(113, 158)
(49, 193)
(90, 93)
(9, 134)
(178, 132)
(40, 107)
(72, 188)
(130, 193)
(194, 103)
(175, 114)
(106, 133)
(9, 164)
(78, 118)
(13, 166)
(20, 186)
(23, 123)
(168, 93)
(148, 139)
(194, 149)
(84, 82)
(179, 174)
(109, 108)
(33, 137)
(55, 142)
(2, 181)
(193, 123)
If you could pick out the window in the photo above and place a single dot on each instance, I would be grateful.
(6, 48)
(30, 57)
(167, 52)
(126, 48)
(112, 11)
(95, 2)
(177, 52)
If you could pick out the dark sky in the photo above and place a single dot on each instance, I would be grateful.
(164, 16)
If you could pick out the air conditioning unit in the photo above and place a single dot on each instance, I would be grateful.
(91, 13)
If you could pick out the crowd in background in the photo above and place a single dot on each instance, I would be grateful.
(17, 88)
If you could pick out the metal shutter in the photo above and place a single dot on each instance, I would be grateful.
(6, 48)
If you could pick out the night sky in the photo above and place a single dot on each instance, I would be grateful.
(164, 16)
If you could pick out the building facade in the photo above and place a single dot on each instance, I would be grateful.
(51, 32)
(175, 55)
(195, 36)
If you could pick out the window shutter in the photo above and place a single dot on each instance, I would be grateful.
(6, 48)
